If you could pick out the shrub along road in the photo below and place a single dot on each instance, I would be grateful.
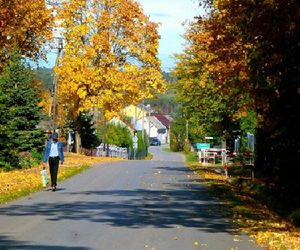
(128, 205)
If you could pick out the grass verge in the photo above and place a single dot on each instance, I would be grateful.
(167, 150)
(248, 214)
(149, 157)
(22, 182)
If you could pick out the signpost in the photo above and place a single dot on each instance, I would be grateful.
(200, 146)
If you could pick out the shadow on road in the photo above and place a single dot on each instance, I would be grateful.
(7, 243)
(179, 206)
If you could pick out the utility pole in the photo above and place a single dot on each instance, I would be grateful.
(187, 130)
(55, 83)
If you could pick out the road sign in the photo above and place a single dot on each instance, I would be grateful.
(202, 145)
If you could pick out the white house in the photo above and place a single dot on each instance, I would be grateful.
(154, 128)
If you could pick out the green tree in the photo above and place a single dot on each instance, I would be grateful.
(19, 113)
(142, 145)
(87, 130)
(118, 135)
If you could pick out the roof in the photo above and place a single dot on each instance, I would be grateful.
(156, 123)
(163, 119)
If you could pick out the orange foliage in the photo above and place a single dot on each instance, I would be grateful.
(110, 57)
(26, 25)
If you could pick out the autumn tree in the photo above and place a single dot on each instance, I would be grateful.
(207, 110)
(25, 25)
(110, 56)
(43, 81)
(249, 49)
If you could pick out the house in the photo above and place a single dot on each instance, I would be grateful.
(165, 120)
(154, 128)
(155, 125)
(136, 114)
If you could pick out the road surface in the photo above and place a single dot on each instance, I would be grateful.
(128, 205)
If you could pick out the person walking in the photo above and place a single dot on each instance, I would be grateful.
(53, 154)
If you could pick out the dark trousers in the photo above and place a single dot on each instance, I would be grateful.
(53, 165)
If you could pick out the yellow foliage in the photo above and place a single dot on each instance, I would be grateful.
(110, 57)
(26, 25)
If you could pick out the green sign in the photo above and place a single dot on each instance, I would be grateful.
(202, 145)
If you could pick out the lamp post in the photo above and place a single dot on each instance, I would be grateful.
(55, 82)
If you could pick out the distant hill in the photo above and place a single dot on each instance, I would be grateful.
(165, 103)
(45, 75)
(168, 77)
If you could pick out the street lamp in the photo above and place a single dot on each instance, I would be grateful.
(55, 81)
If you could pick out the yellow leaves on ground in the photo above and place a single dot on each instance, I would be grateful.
(18, 179)
(72, 159)
(15, 183)
(255, 219)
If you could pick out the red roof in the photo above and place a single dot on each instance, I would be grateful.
(163, 119)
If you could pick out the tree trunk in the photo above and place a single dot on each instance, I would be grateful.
(77, 142)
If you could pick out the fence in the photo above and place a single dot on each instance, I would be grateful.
(112, 151)
(107, 150)
(205, 155)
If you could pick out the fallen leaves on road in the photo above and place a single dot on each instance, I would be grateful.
(255, 219)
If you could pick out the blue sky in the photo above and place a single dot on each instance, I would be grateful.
(171, 14)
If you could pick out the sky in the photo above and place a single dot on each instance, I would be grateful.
(171, 14)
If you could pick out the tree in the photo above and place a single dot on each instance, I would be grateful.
(26, 25)
(119, 135)
(19, 112)
(201, 105)
(43, 82)
(110, 57)
(87, 130)
(250, 48)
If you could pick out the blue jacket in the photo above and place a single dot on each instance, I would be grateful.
(60, 151)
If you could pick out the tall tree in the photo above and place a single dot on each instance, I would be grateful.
(19, 113)
(110, 57)
(201, 104)
(88, 131)
(251, 47)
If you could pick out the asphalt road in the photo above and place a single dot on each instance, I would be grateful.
(129, 205)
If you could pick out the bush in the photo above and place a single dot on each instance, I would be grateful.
(239, 171)
(186, 147)
(118, 135)
(29, 159)
(295, 217)
(174, 143)
(142, 147)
